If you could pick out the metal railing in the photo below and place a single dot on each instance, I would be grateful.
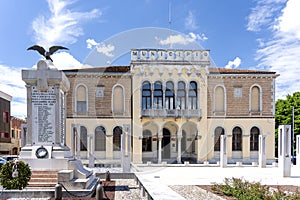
(188, 113)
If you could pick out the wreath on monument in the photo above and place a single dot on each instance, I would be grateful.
(15, 175)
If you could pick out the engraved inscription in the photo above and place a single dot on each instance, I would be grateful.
(43, 115)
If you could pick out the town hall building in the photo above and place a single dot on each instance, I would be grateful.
(172, 106)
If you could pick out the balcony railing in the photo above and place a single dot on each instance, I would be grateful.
(156, 113)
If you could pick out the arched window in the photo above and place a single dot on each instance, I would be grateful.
(218, 132)
(237, 139)
(146, 96)
(192, 101)
(219, 99)
(158, 95)
(117, 138)
(170, 96)
(254, 134)
(81, 99)
(147, 141)
(83, 138)
(100, 139)
(118, 100)
(255, 99)
(181, 93)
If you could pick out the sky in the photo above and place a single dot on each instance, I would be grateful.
(252, 34)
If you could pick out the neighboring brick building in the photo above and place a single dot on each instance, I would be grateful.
(5, 139)
(16, 128)
(174, 106)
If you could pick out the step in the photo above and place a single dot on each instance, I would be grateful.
(41, 185)
(44, 172)
(43, 175)
(44, 180)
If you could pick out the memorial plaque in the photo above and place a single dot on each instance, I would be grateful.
(43, 115)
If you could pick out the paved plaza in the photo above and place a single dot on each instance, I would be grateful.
(209, 175)
(157, 181)
(177, 182)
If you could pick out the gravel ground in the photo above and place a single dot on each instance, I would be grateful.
(132, 191)
(190, 192)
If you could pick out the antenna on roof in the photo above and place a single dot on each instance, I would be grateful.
(170, 19)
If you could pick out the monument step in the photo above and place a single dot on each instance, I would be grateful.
(43, 180)
(44, 172)
(43, 175)
(41, 185)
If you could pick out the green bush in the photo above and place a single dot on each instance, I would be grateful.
(19, 182)
(244, 190)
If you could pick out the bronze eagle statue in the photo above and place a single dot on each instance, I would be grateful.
(45, 53)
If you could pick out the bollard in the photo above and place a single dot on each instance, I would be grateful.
(99, 192)
(107, 176)
(58, 192)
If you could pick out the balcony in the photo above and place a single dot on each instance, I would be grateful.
(163, 113)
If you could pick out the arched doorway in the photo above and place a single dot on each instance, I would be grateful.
(188, 142)
(166, 147)
(150, 142)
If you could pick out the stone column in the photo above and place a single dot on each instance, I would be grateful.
(78, 141)
(91, 150)
(298, 151)
(284, 150)
(223, 151)
(125, 148)
(23, 134)
(159, 148)
(73, 136)
(262, 151)
(29, 118)
(179, 137)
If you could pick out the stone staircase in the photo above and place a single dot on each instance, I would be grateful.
(43, 180)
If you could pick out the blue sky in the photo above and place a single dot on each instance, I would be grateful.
(250, 34)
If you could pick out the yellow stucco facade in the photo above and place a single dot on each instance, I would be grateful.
(174, 106)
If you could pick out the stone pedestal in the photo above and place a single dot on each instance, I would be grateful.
(44, 147)
(284, 150)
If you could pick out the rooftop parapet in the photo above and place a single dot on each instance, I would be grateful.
(160, 55)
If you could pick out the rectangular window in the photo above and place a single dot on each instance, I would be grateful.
(4, 135)
(5, 117)
(147, 144)
(238, 92)
(81, 106)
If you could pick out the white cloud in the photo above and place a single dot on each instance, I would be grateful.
(105, 49)
(287, 22)
(263, 13)
(64, 60)
(62, 27)
(233, 64)
(190, 21)
(182, 39)
(14, 86)
(280, 50)
(91, 43)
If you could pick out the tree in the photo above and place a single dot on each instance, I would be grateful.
(284, 112)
